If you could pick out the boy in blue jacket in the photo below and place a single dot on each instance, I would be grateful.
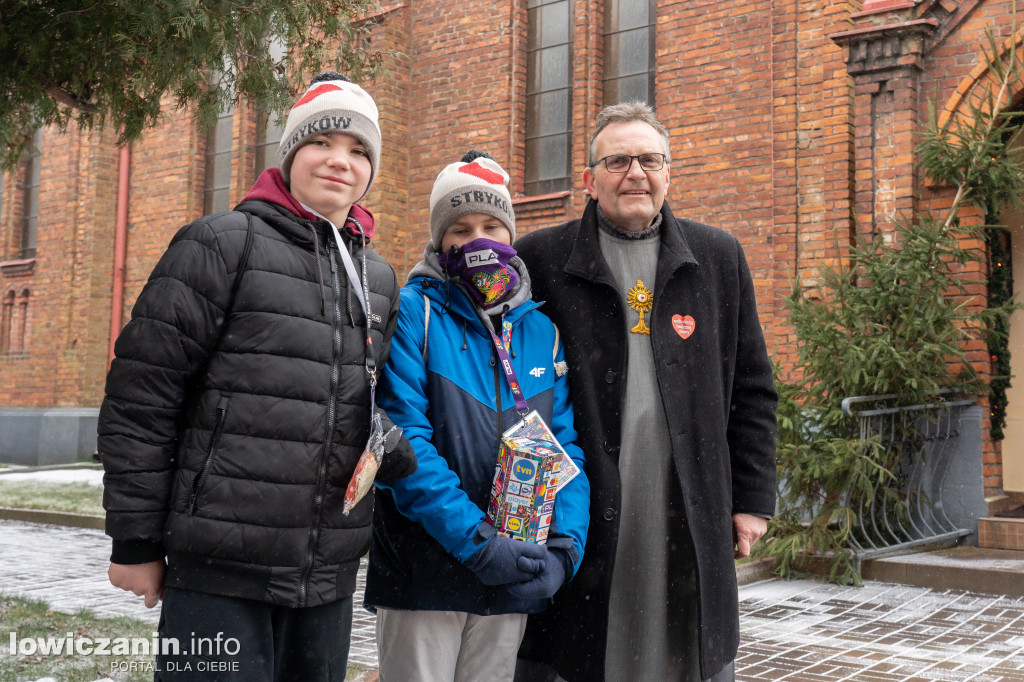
(452, 597)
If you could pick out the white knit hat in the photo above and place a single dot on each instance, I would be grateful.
(476, 184)
(331, 104)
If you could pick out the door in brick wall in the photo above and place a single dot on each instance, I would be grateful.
(1013, 440)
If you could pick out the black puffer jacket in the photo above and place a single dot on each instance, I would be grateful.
(238, 473)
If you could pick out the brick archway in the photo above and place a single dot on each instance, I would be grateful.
(982, 80)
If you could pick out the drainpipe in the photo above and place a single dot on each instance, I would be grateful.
(120, 247)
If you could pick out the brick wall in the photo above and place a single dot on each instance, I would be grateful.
(790, 129)
(397, 237)
(67, 328)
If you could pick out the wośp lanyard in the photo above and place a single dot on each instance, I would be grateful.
(510, 374)
(373, 453)
(369, 462)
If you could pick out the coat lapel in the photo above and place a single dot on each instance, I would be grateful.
(585, 259)
(675, 250)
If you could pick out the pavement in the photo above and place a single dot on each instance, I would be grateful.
(806, 631)
(801, 631)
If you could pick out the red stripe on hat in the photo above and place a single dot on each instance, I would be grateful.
(316, 92)
(484, 174)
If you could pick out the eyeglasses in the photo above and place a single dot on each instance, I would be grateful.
(621, 163)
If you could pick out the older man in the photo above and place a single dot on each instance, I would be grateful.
(675, 407)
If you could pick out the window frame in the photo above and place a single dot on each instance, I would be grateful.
(266, 145)
(217, 197)
(7, 306)
(533, 183)
(28, 224)
(611, 31)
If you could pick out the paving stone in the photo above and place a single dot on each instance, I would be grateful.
(882, 632)
(798, 631)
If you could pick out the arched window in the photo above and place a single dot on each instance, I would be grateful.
(22, 322)
(6, 322)
(268, 132)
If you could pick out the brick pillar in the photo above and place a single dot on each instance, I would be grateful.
(884, 56)
(86, 246)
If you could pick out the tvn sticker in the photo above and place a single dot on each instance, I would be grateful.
(524, 469)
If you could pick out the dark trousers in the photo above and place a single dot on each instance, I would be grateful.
(227, 639)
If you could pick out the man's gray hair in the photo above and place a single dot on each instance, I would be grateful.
(626, 112)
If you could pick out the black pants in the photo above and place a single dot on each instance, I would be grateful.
(227, 639)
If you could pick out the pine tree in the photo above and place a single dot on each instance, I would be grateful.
(112, 62)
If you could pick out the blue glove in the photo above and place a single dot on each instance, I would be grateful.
(501, 560)
(546, 583)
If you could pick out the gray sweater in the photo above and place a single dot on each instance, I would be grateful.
(645, 641)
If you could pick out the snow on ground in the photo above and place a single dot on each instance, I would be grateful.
(91, 476)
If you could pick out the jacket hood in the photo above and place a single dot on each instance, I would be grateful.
(271, 188)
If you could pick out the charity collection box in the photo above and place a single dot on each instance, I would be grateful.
(531, 468)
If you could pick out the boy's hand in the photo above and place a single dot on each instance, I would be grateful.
(144, 580)
(501, 560)
(546, 583)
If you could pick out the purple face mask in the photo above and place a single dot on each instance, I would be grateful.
(483, 266)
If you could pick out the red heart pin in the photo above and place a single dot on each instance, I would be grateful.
(684, 326)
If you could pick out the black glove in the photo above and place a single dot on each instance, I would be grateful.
(502, 560)
(399, 457)
(546, 583)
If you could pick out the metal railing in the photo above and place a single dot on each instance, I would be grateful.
(920, 441)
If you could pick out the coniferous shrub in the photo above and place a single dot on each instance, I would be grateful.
(894, 318)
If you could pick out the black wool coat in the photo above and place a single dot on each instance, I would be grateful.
(716, 385)
(229, 431)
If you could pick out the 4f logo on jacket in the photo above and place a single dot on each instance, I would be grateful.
(537, 372)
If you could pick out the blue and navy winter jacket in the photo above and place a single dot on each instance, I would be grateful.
(453, 406)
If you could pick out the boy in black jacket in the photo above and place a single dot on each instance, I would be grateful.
(239, 403)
